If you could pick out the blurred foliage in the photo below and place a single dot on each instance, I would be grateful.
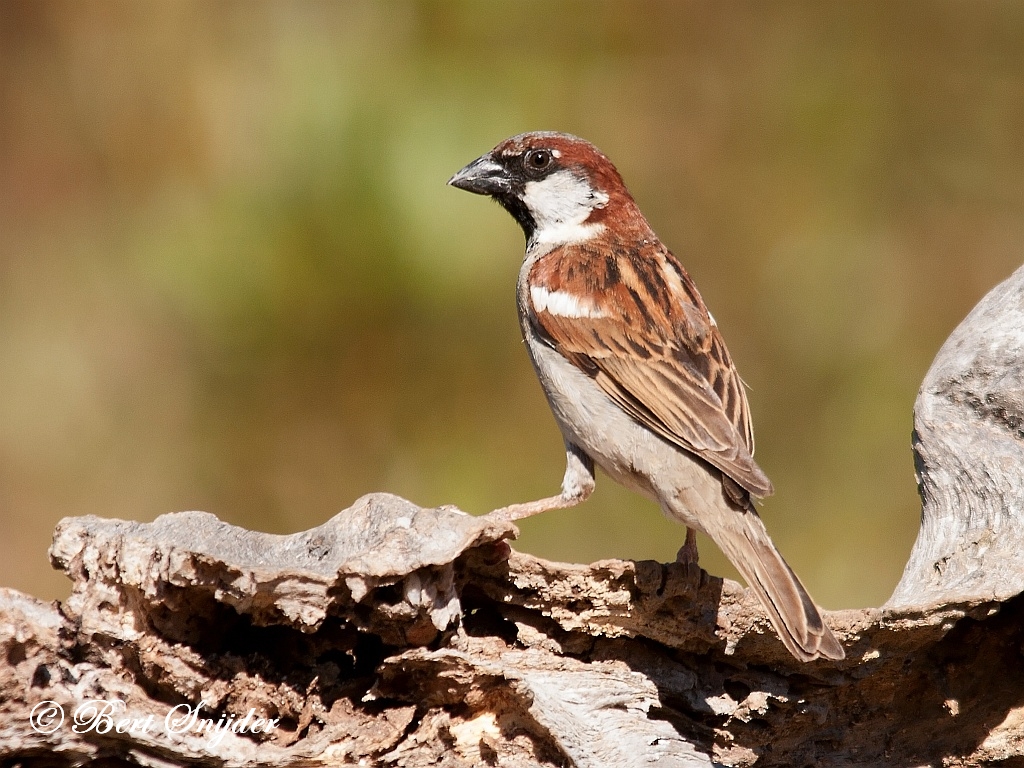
(232, 277)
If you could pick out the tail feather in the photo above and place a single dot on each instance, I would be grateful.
(745, 541)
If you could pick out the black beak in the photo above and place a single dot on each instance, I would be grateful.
(483, 176)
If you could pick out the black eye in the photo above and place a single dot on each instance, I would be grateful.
(537, 160)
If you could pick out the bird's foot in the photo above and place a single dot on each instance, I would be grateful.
(687, 554)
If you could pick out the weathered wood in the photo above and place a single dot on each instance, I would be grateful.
(399, 636)
(969, 453)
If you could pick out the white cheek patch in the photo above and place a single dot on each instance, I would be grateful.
(562, 304)
(560, 204)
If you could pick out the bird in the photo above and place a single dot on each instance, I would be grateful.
(634, 367)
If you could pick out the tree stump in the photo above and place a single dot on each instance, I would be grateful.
(393, 635)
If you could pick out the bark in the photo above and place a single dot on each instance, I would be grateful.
(399, 636)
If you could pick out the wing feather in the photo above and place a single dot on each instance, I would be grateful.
(662, 360)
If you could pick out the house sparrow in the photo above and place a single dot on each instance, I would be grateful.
(634, 367)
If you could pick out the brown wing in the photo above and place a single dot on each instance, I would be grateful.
(663, 361)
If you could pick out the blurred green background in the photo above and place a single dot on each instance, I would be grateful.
(232, 277)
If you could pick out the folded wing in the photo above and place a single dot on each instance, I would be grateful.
(662, 360)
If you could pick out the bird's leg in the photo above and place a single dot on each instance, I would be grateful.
(687, 554)
(577, 485)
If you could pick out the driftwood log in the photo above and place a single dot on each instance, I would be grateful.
(399, 636)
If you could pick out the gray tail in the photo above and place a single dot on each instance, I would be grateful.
(745, 541)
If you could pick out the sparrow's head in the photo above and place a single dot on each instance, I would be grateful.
(560, 188)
